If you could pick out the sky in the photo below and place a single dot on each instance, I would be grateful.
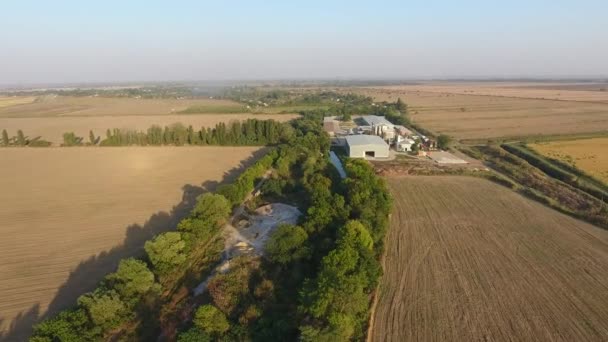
(147, 40)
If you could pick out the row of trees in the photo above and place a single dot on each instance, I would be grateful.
(249, 132)
(21, 140)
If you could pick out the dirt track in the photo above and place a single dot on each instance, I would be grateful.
(468, 260)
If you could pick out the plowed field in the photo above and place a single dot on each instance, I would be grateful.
(67, 215)
(468, 260)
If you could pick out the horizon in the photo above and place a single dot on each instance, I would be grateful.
(69, 42)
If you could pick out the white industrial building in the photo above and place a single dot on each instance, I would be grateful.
(365, 146)
(404, 144)
(380, 127)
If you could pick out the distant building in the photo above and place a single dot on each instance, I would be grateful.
(380, 127)
(403, 131)
(365, 146)
(405, 145)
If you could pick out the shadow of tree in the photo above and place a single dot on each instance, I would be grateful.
(89, 273)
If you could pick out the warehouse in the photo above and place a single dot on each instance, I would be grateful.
(366, 146)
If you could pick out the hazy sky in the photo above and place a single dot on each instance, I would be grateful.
(137, 40)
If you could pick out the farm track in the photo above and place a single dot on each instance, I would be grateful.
(69, 214)
(468, 260)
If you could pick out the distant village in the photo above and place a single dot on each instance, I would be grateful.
(374, 137)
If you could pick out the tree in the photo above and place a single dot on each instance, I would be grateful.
(415, 147)
(70, 139)
(166, 251)
(346, 116)
(212, 208)
(401, 106)
(194, 335)
(211, 320)
(287, 244)
(5, 139)
(355, 234)
(132, 279)
(67, 326)
(444, 141)
(21, 138)
(92, 138)
(105, 308)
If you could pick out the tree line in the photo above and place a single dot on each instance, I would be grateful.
(235, 133)
(21, 140)
(314, 283)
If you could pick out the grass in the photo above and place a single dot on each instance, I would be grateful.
(535, 183)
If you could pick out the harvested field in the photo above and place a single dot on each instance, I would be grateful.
(528, 90)
(588, 155)
(467, 116)
(52, 129)
(468, 260)
(53, 105)
(69, 214)
(9, 101)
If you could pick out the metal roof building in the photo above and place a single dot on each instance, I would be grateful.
(364, 146)
(375, 120)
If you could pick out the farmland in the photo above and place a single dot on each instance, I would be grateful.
(588, 155)
(13, 101)
(68, 215)
(52, 128)
(502, 112)
(51, 116)
(468, 260)
(581, 92)
(53, 105)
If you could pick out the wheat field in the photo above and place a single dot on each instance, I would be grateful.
(588, 155)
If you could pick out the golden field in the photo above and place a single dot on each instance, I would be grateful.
(454, 111)
(69, 214)
(469, 260)
(588, 155)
